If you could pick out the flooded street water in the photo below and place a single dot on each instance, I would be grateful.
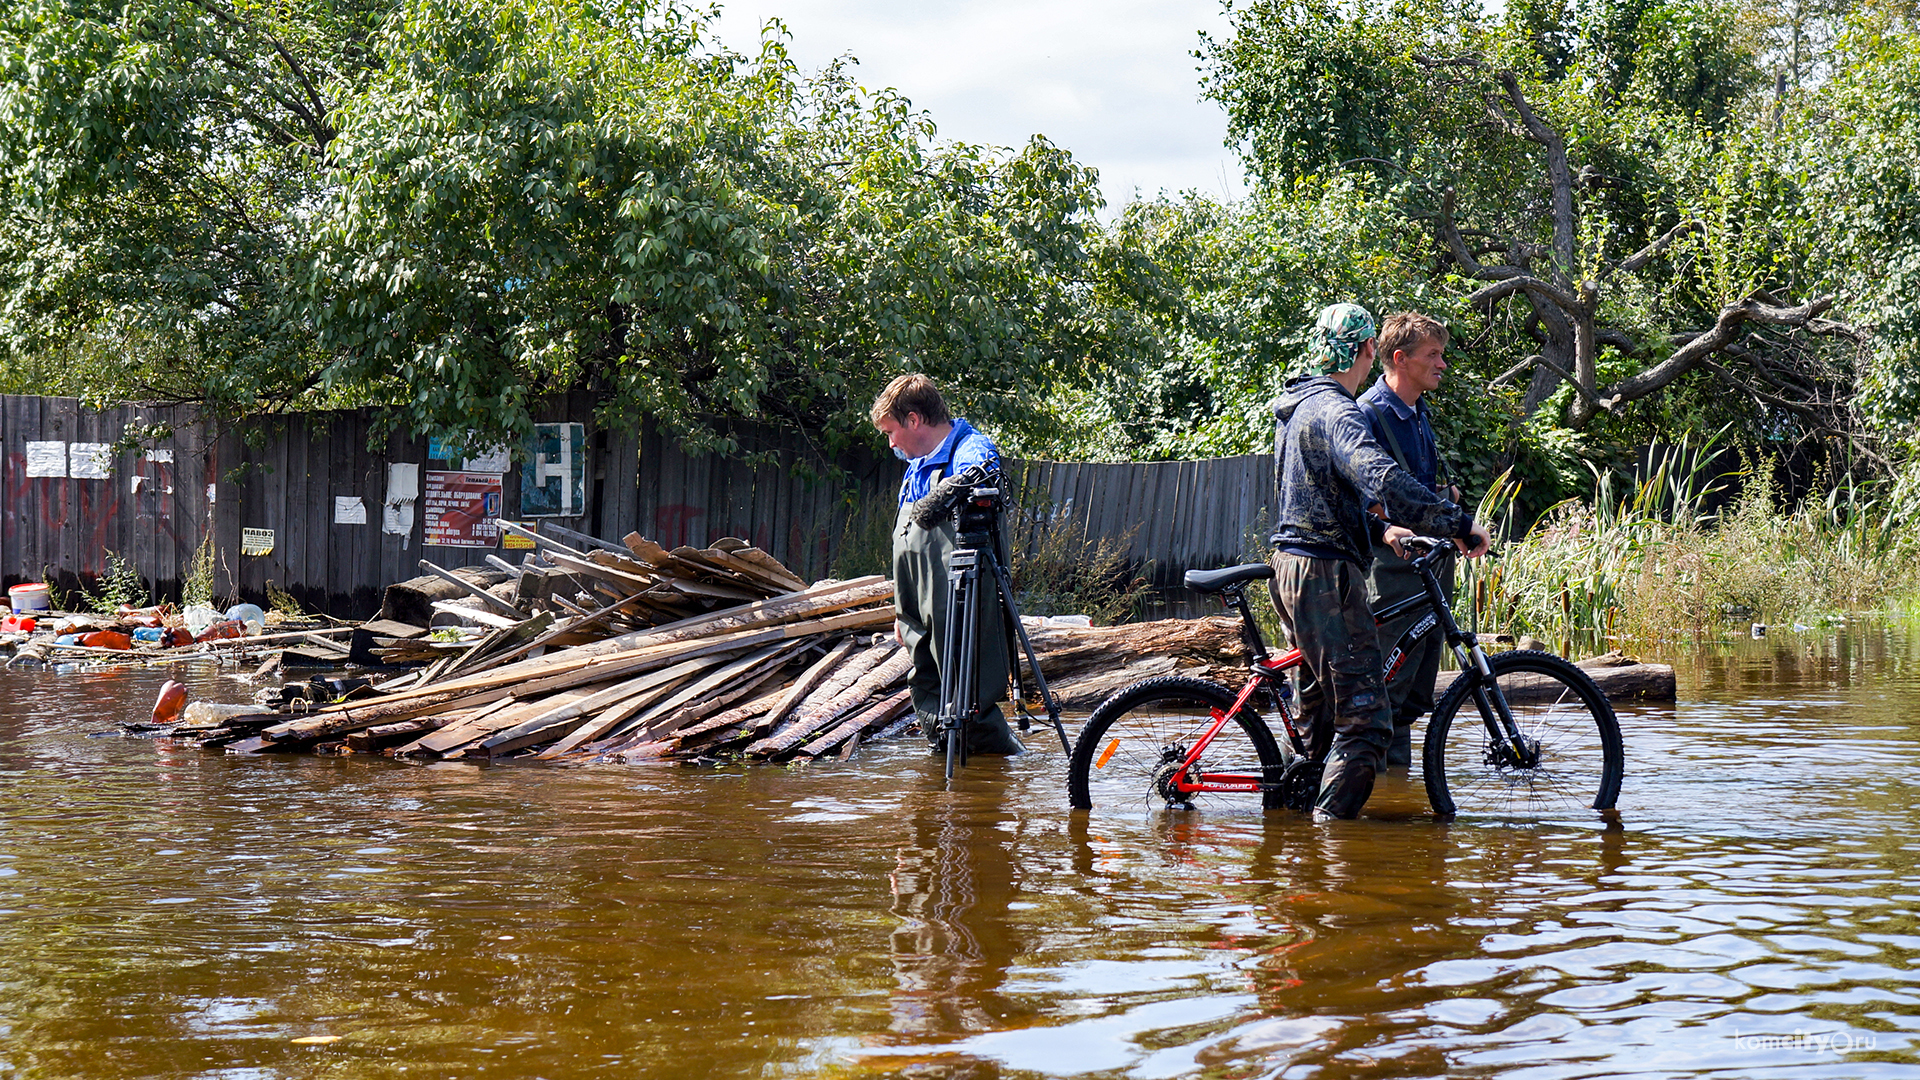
(170, 912)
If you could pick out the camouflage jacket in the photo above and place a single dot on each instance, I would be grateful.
(1330, 469)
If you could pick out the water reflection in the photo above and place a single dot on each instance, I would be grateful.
(169, 913)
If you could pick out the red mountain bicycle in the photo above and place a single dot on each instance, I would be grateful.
(1537, 737)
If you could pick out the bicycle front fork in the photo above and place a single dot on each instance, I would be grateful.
(1508, 746)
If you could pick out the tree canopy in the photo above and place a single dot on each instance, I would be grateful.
(450, 207)
(1639, 217)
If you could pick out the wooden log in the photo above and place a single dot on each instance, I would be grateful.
(806, 683)
(772, 569)
(628, 582)
(748, 683)
(563, 718)
(1619, 678)
(411, 601)
(502, 642)
(706, 686)
(706, 730)
(380, 736)
(479, 615)
(579, 665)
(669, 682)
(471, 589)
(454, 739)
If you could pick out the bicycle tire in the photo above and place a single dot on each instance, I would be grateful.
(1126, 742)
(1553, 702)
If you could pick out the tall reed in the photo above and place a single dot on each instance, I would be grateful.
(1653, 563)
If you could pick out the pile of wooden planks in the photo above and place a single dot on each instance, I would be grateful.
(792, 675)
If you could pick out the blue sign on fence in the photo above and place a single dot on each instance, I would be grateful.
(553, 482)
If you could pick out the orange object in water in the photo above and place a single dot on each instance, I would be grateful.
(173, 698)
(226, 628)
(107, 639)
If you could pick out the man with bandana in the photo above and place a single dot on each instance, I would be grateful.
(1338, 490)
(913, 416)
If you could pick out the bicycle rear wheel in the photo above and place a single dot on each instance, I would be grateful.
(1555, 707)
(1133, 743)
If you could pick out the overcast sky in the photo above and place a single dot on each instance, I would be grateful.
(1110, 80)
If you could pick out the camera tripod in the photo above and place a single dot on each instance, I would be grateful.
(977, 553)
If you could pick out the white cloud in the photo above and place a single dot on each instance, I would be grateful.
(1112, 82)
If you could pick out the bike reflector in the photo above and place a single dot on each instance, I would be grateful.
(1107, 754)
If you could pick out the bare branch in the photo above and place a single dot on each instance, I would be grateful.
(1547, 291)
(1639, 259)
(1759, 307)
(1457, 247)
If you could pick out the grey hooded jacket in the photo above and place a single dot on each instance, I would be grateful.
(1330, 469)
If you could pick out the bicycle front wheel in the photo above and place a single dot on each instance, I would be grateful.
(1133, 743)
(1560, 715)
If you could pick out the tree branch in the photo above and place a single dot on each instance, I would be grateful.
(1634, 262)
(1759, 307)
(1547, 291)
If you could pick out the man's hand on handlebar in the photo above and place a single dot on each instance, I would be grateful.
(1409, 545)
(1477, 544)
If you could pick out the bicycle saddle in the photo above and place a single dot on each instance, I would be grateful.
(1225, 577)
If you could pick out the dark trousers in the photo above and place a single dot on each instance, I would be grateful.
(1391, 579)
(920, 589)
(1323, 603)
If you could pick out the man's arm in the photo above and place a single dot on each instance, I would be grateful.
(1369, 468)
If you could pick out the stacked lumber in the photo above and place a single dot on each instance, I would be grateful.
(791, 674)
(589, 588)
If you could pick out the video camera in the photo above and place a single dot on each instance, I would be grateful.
(971, 495)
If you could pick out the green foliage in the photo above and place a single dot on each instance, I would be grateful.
(1653, 564)
(446, 208)
(528, 198)
(155, 159)
(120, 584)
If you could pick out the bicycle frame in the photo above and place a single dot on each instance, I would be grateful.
(1268, 674)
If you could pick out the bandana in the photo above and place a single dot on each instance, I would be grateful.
(1337, 336)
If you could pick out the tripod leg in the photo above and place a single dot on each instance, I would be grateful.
(1012, 610)
(959, 662)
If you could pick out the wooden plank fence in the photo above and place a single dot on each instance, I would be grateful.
(153, 485)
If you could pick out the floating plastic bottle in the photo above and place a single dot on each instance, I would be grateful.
(203, 713)
(198, 618)
(250, 614)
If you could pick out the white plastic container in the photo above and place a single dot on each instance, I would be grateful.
(203, 713)
(29, 597)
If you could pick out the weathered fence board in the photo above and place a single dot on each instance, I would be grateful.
(174, 480)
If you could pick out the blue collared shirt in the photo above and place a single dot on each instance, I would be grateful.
(1405, 431)
(963, 446)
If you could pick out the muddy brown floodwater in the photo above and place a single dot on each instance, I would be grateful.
(169, 912)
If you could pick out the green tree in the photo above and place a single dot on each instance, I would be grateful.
(1578, 174)
(447, 208)
(155, 159)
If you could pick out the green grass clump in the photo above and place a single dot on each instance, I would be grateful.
(1652, 564)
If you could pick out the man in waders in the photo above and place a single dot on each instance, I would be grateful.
(935, 444)
(1412, 352)
(1332, 476)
